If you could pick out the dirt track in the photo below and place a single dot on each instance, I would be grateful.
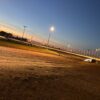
(27, 75)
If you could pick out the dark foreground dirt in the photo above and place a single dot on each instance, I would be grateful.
(27, 75)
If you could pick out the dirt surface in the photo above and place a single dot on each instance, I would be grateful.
(28, 75)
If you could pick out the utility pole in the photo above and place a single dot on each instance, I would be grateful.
(24, 31)
(31, 38)
(48, 39)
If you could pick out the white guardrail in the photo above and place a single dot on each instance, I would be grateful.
(98, 59)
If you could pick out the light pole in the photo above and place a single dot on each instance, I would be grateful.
(52, 29)
(24, 31)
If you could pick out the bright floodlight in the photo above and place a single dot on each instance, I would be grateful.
(52, 29)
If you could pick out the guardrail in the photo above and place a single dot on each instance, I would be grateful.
(86, 56)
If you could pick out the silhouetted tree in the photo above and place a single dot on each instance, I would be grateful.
(5, 34)
(9, 35)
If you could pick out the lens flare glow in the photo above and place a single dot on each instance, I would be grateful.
(52, 29)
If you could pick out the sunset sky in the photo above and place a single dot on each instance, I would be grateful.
(77, 22)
